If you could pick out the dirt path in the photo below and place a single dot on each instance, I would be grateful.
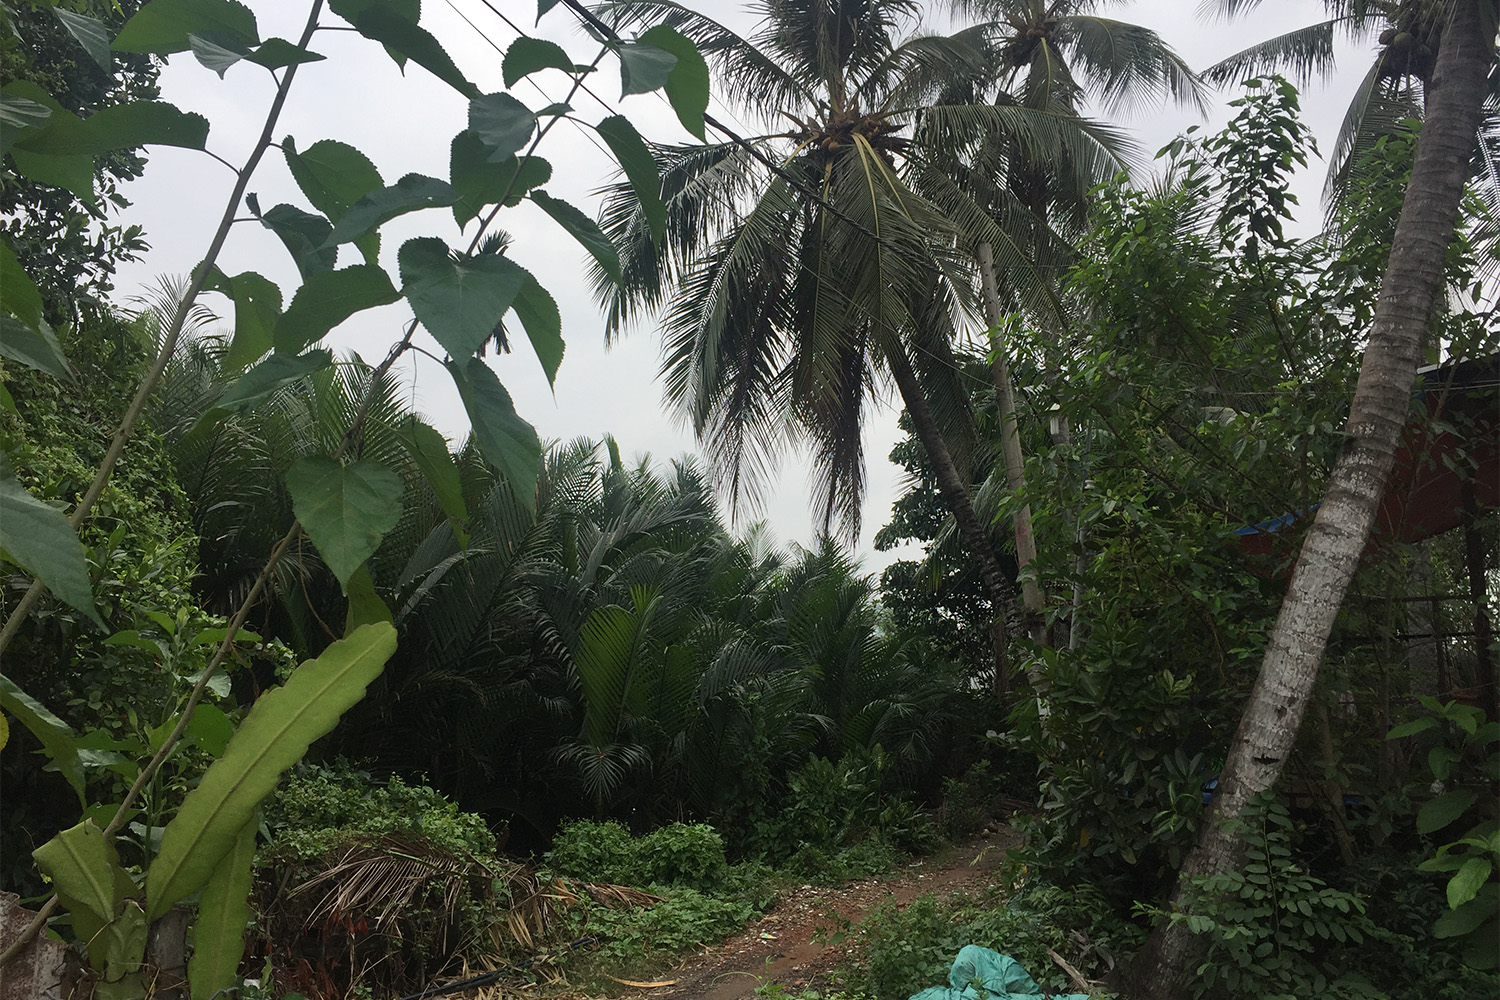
(779, 946)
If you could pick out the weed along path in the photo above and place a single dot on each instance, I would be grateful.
(779, 947)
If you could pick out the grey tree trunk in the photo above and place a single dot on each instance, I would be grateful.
(1413, 279)
(1032, 599)
(955, 494)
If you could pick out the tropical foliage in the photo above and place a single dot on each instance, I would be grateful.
(350, 706)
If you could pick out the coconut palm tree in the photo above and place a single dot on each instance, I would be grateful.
(793, 296)
(1406, 35)
(1409, 292)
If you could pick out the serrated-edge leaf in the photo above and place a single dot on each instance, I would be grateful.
(583, 229)
(527, 55)
(275, 372)
(506, 441)
(502, 123)
(90, 32)
(365, 606)
(22, 299)
(275, 735)
(409, 194)
(428, 450)
(635, 159)
(276, 53)
(55, 735)
(538, 312)
(399, 34)
(42, 542)
(461, 301)
(687, 83)
(162, 27)
(223, 913)
(257, 308)
(305, 236)
(217, 50)
(327, 299)
(345, 509)
(332, 174)
(643, 68)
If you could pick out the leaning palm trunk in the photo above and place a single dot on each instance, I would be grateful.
(956, 497)
(1413, 279)
(1010, 447)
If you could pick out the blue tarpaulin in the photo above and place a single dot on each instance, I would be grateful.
(979, 973)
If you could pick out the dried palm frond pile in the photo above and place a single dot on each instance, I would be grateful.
(397, 915)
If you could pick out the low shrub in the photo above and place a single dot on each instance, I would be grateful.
(898, 952)
(681, 854)
(319, 808)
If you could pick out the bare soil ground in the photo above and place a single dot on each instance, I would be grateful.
(779, 947)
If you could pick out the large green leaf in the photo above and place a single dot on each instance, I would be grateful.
(583, 229)
(118, 952)
(365, 605)
(257, 307)
(502, 123)
(21, 298)
(411, 193)
(162, 27)
(538, 313)
(644, 68)
(90, 32)
(74, 172)
(635, 159)
(334, 175)
(39, 539)
(428, 450)
(223, 912)
(274, 53)
(687, 82)
(19, 116)
(507, 442)
(86, 875)
(327, 299)
(217, 51)
(304, 234)
(459, 299)
(1466, 917)
(1463, 886)
(55, 735)
(345, 509)
(402, 37)
(527, 55)
(36, 348)
(274, 736)
(479, 182)
(275, 372)
(1439, 812)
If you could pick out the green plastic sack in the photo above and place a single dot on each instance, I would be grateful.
(999, 976)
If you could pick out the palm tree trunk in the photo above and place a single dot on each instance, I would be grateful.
(1032, 599)
(955, 494)
(1413, 279)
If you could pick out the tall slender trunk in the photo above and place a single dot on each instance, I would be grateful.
(1413, 279)
(955, 494)
(1032, 598)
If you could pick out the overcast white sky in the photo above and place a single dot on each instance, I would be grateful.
(405, 124)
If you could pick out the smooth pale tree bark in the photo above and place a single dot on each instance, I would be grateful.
(1412, 282)
(1032, 600)
(955, 494)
